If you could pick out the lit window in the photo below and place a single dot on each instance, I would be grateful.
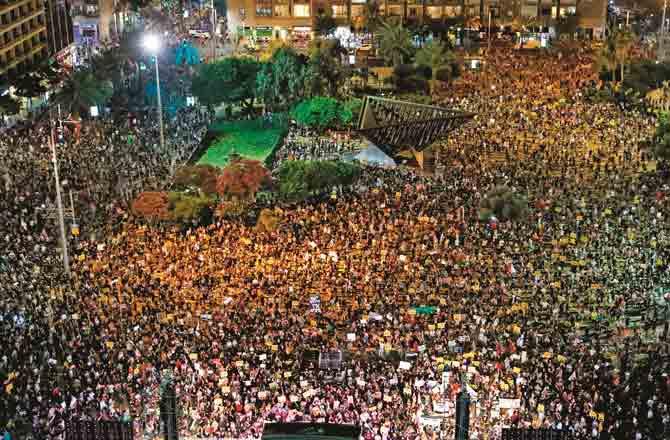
(339, 11)
(282, 11)
(452, 11)
(434, 12)
(301, 10)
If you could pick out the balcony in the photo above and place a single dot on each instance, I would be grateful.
(35, 31)
(20, 21)
(4, 8)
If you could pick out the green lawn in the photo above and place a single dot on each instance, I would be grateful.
(249, 139)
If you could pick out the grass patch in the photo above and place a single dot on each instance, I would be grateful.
(250, 139)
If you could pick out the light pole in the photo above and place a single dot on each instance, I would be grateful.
(59, 201)
(152, 44)
(213, 36)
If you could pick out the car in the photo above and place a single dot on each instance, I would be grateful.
(198, 33)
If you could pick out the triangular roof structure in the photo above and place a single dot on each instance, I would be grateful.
(394, 126)
(372, 155)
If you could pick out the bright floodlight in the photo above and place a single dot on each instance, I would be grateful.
(152, 43)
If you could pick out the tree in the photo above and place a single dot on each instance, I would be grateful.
(647, 75)
(152, 205)
(242, 178)
(300, 178)
(106, 66)
(504, 204)
(185, 207)
(395, 43)
(201, 176)
(326, 73)
(230, 81)
(319, 112)
(351, 108)
(623, 42)
(29, 85)
(606, 60)
(281, 81)
(83, 90)
(441, 61)
(9, 105)
(322, 112)
(325, 23)
(371, 18)
(269, 50)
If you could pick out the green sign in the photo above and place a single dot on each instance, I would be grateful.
(425, 310)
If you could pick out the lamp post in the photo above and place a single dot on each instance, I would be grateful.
(152, 44)
(61, 216)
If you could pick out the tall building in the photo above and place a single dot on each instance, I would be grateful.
(59, 26)
(280, 18)
(23, 36)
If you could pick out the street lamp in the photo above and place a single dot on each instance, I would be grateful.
(152, 44)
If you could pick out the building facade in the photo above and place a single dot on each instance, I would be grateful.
(23, 36)
(59, 26)
(279, 18)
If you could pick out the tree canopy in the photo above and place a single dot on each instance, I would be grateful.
(327, 73)
(300, 178)
(9, 105)
(83, 90)
(281, 80)
(395, 43)
(242, 178)
(322, 112)
(201, 176)
(230, 80)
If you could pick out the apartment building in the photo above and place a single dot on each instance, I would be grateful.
(23, 36)
(280, 18)
(59, 26)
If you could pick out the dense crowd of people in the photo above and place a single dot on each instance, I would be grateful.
(423, 299)
(101, 167)
(302, 143)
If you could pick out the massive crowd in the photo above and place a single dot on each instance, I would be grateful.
(301, 143)
(421, 299)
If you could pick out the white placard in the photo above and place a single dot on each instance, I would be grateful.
(510, 403)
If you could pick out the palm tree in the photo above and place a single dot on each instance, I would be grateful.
(9, 105)
(395, 43)
(83, 90)
(436, 56)
(606, 60)
(623, 42)
(371, 16)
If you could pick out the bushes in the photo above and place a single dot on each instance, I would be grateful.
(184, 207)
(504, 204)
(201, 176)
(301, 178)
(151, 205)
(242, 178)
(173, 206)
(323, 112)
